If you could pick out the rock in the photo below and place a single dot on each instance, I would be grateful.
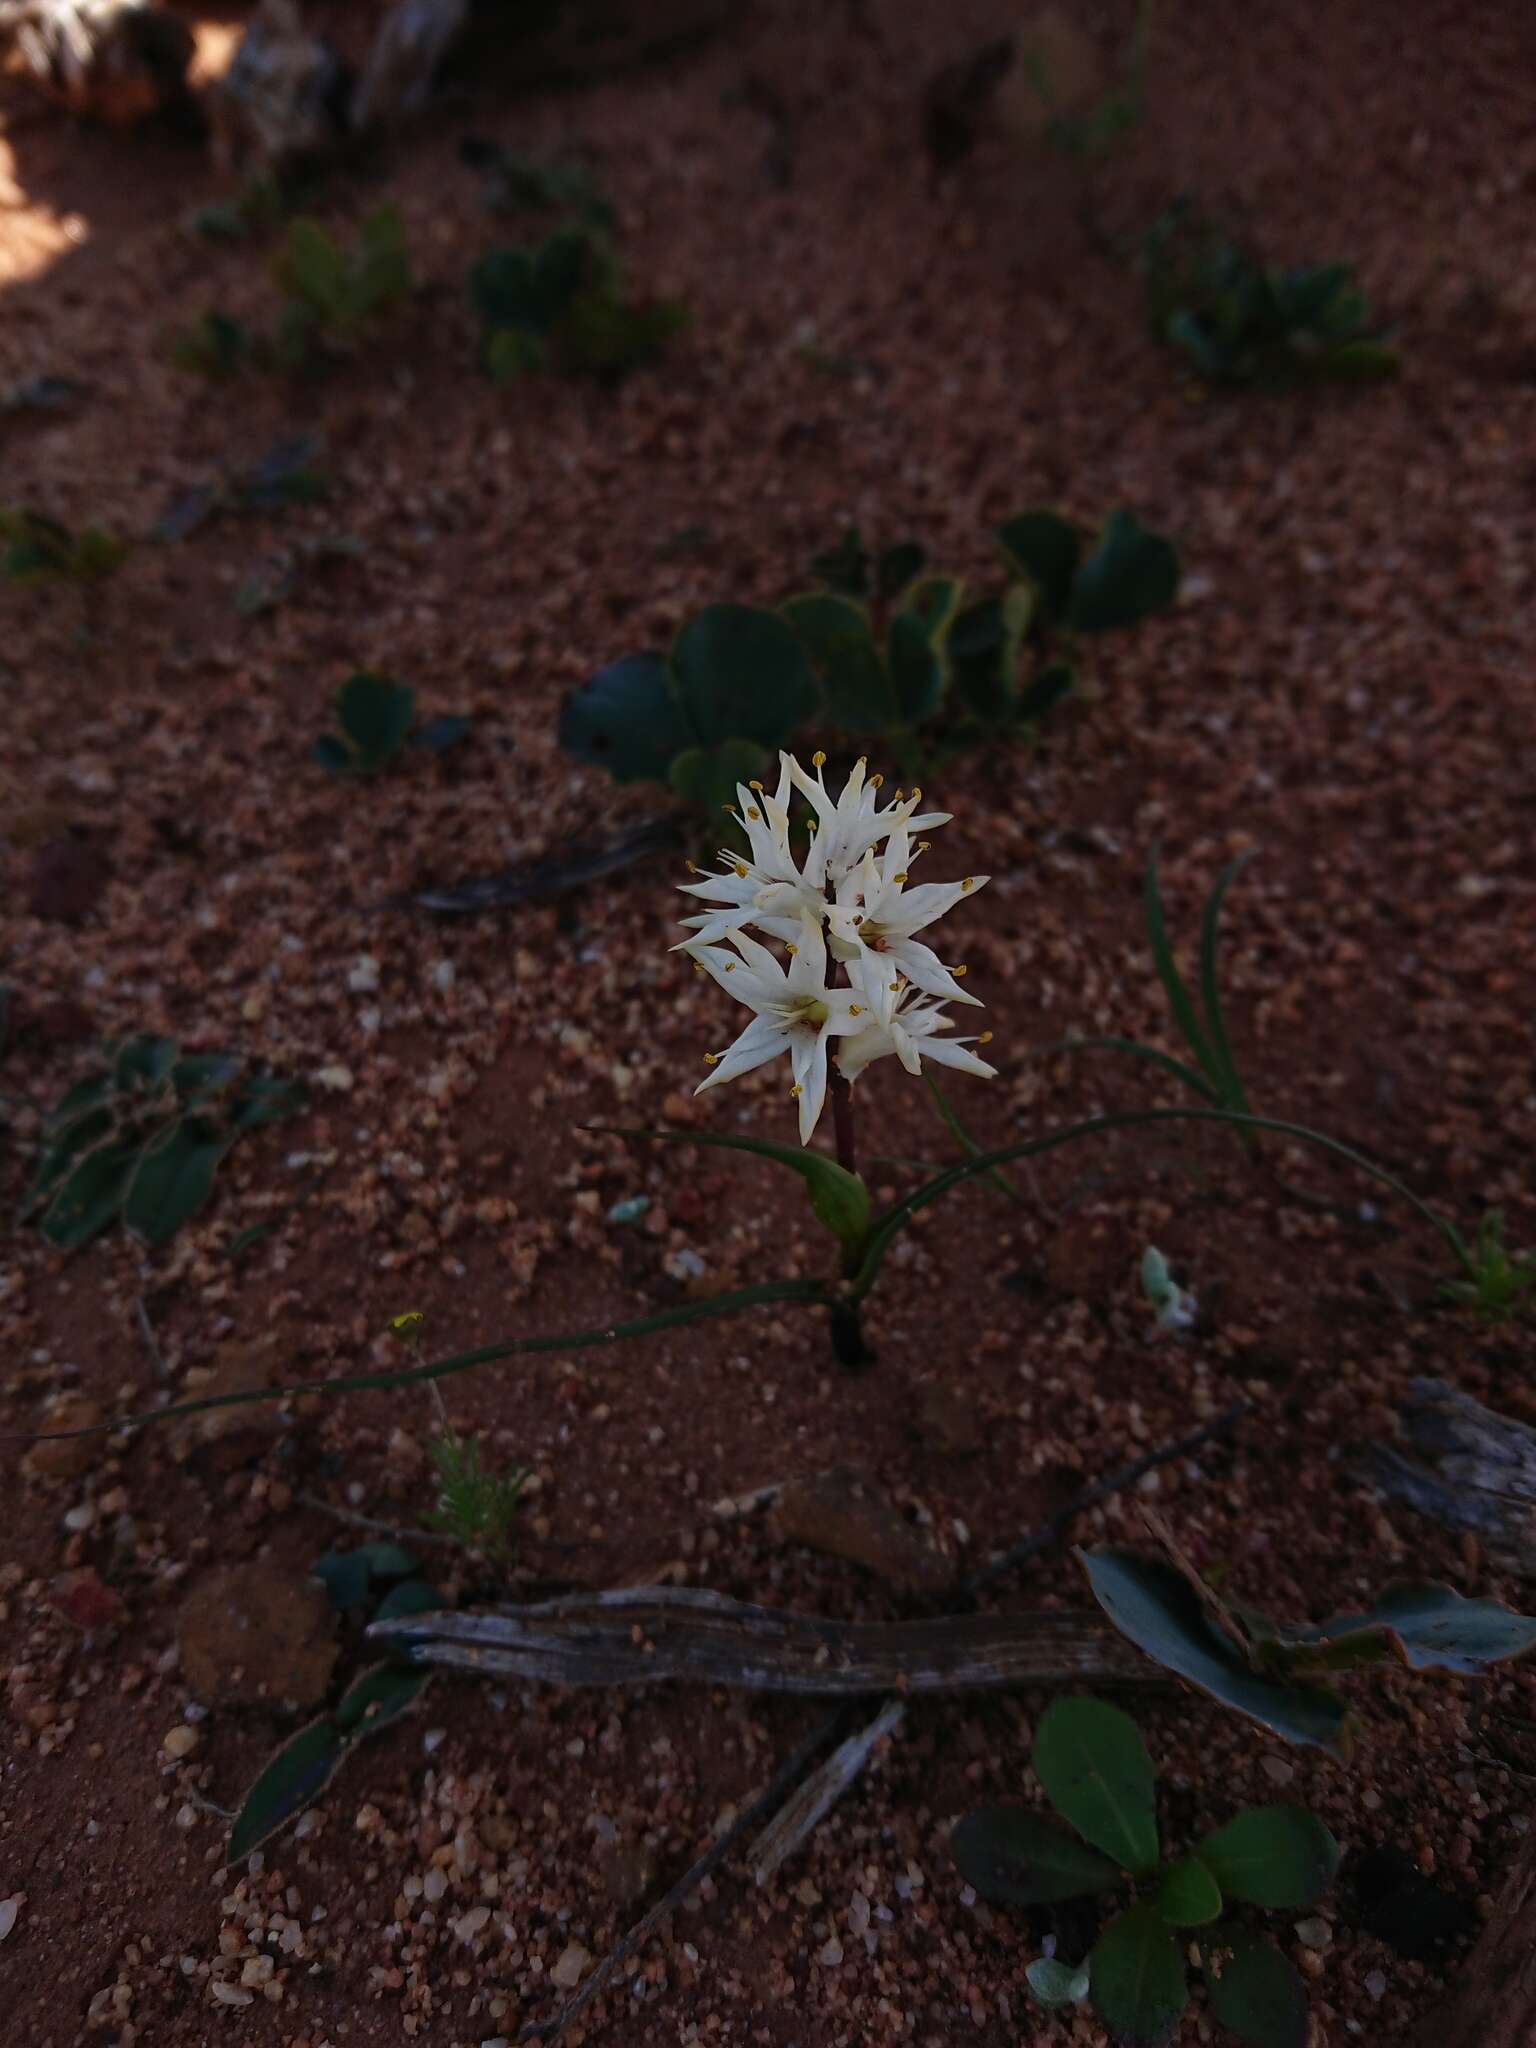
(67, 878)
(180, 1742)
(283, 99)
(118, 61)
(568, 1970)
(72, 1457)
(224, 1439)
(946, 1418)
(84, 1598)
(252, 1634)
(844, 1514)
(626, 1871)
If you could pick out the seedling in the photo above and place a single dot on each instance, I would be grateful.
(703, 718)
(334, 294)
(1175, 1311)
(375, 715)
(39, 549)
(475, 1507)
(562, 305)
(385, 1578)
(1213, 1076)
(143, 1138)
(1497, 1284)
(1237, 321)
(1094, 1769)
(1275, 1673)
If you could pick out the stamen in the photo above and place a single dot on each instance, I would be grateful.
(917, 794)
(969, 882)
(893, 986)
(790, 948)
(896, 799)
(959, 972)
(754, 783)
(795, 1090)
(729, 811)
(923, 845)
(754, 814)
(877, 781)
(818, 759)
(899, 879)
(711, 1059)
(858, 917)
(985, 1038)
(695, 871)
(742, 870)
(855, 1009)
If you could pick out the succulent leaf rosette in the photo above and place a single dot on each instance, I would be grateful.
(857, 983)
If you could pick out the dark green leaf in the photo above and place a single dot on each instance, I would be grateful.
(896, 567)
(1430, 1627)
(742, 673)
(386, 1559)
(267, 1099)
(143, 1062)
(345, 1577)
(1094, 1766)
(375, 713)
(1044, 548)
(844, 568)
(707, 778)
(835, 633)
(301, 1769)
(172, 1180)
(377, 1698)
(627, 719)
(1179, 1001)
(197, 1074)
(916, 670)
(334, 755)
(1130, 574)
(437, 735)
(1057, 1984)
(411, 1596)
(1254, 1990)
(92, 1195)
(1014, 1858)
(936, 602)
(1278, 1856)
(1160, 1612)
(1136, 1978)
(1054, 682)
(86, 1096)
(1188, 1895)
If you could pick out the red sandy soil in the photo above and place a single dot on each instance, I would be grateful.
(1345, 686)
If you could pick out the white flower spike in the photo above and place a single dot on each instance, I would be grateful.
(848, 897)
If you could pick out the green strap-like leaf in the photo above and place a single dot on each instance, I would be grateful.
(1210, 985)
(299, 1772)
(1136, 1979)
(1015, 1858)
(758, 1296)
(839, 1198)
(1094, 1766)
(1429, 1626)
(1168, 974)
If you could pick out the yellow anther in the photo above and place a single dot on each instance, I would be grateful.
(917, 794)
(790, 948)
(893, 986)
(754, 783)
(858, 917)
(694, 870)
(711, 1059)
(876, 781)
(818, 759)
(899, 879)
(923, 845)
(754, 813)
(796, 1089)
(408, 1324)
(741, 869)
(959, 972)
(863, 761)
(985, 1038)
(730, 967)
(729, 810)
(897, 797)
(969, 882)
(855, 1009)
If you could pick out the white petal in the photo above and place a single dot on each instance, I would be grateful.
(734, 977)
(809, 1057)
(808, 963)
(906, 1048)
(920, 906)
(921, 965)
(760, 1042)
(709, 926)
(874, 1042)
(952, 1052)
(764, 967)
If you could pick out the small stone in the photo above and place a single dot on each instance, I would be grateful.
(1277, 1770)
(364, 977)
(1376, 1984)
(9, 1908)
(230, 1994)
(830, 1954)
(469, 1924)
(858, 1914)
(69, 1457)
(340, 1080)
(180, 1742)
(567, 1972)
(845, 1514)
(254, 1634)
(223, 1439)
(1314, 1933)
(83, 1597)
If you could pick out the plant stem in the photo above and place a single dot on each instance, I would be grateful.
(845, 1326)
(842, 1119)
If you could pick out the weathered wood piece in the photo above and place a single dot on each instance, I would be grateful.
(1494, 2003)
(1472, 1469)
(639, 1635)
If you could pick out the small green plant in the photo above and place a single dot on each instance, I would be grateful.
(474, 1506)
(702, 719)
(1213, 1077)
(1174, 1309)
(1094, 1769)
(385, 1577)
(1238, 321)
(1496, 1284)
(376, 715)
(39, 549)
(1276, 1673)
(335, 294)
(562, 305)
(143, 1138)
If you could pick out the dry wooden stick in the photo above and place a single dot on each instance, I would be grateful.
(808, 1807)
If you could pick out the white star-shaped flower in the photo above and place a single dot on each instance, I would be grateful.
(795, 1012)
(908, 1023)
(847, 828)
(877, 914)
